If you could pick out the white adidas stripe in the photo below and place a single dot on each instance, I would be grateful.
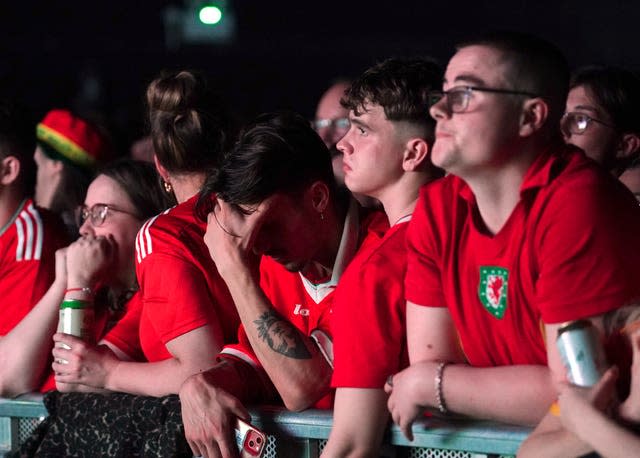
(144, 245)
(30, 235)
(20, 244)
(39, 241)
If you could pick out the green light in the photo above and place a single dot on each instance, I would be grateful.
(210, 15)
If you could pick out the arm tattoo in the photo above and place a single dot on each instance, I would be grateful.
(281, 336)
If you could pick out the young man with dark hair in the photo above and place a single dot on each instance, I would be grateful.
(280, 236)
(386, 156)
(601, 115)
(29, 236)
(523, 235)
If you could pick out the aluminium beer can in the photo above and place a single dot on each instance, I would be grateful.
(582, 352)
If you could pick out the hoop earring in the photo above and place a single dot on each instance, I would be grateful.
(321, 216)
(167, 187)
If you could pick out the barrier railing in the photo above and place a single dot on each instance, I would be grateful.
(304, 434)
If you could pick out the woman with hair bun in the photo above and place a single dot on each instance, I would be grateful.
(187, 313)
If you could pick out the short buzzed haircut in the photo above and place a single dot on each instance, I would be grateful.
(17, 140)
(535, 65)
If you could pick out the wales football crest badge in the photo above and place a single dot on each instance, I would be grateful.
(492, 289)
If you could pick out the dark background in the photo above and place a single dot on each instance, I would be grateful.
(99, 56)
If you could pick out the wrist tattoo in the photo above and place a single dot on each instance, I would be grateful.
(281, 336)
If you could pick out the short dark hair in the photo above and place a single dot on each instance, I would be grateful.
(188, 120)
(616, 90)
(141, 182)
(401, 87)
(17, 140)
(278, 152)
(534, 65)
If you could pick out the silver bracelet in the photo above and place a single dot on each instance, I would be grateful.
(442, 406)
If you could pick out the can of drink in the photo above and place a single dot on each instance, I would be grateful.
(581, 352)
(76, 319)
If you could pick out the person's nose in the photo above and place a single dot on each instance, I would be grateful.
(440, 109)
(87, 228)
(343, 145)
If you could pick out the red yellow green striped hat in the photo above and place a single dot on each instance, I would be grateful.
(71, 139)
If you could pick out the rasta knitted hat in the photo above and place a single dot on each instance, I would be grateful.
(66, 137)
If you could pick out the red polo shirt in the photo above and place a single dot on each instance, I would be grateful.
(570, 249)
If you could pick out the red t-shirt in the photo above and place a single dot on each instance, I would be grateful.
(569, 250)
(125, 337)
(180, 287)
(125, 333)
(369, 313)
(28, 243)
(306, 305)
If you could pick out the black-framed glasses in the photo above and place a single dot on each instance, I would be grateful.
(97, 214)
(577, 123)
(457, 98)
(336, 123)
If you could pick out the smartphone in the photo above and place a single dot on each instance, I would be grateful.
(251, 441)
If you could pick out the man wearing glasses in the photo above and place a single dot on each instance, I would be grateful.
(332, 123)
(522, 235)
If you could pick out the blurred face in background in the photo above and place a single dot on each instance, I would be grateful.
(332, 123)
(48, 177)
(586, 125)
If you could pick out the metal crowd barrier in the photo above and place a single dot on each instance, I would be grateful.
(304, 434)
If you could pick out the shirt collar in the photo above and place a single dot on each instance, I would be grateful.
(346, 251)
(538, 175)
(21, 207)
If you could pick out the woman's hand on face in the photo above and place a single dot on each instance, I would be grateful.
(88, 260)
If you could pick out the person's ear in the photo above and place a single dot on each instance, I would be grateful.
(164, 174)
(415, 154)
(319, 196)
(629, 145)
(58, 166)
(9, 170)
(535, 112)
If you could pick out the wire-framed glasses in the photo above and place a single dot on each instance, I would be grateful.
(577, 123)
(457, 98)
(96, 213)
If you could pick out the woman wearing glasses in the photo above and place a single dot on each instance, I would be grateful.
(186, 313)
(601, 116)
(97, 268)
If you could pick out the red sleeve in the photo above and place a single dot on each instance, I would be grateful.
(423, 284)
(369, 320)
(241, 350)
(597, 271)
(24, 281)
(174, 294)
(126, 333)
